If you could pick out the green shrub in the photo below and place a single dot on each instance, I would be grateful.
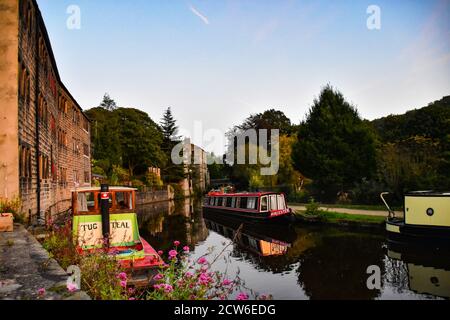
(312, 208)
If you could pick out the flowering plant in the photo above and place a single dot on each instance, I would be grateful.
(186, 279)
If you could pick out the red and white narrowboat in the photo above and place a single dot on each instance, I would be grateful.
(259, 205)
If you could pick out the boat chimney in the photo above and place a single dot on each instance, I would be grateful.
(104, 207)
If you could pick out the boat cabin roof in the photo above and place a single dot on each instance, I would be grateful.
(428, 193)
(111, 189)
(242, 194)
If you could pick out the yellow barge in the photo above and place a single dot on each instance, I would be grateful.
(426, 216)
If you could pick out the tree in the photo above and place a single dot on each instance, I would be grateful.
(169, 127)
(172, 173)
(105, 138)
(141, 140)
(335, 147)
(108, 103)
(269, 119)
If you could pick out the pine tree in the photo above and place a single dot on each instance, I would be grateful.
(169, 127)
(108, 103)
(171, 172)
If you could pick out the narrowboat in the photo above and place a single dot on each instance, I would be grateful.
(259, 205)
(426, 216)
(105, 219)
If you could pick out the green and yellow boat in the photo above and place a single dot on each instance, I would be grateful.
(105, 219)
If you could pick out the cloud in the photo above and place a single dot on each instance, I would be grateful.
(198, 14)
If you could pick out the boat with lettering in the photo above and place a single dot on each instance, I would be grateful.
(426, 217)
(104, 218)
(258, 205)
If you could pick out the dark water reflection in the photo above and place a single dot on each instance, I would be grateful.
(301, 262)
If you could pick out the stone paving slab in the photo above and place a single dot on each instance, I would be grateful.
(25, 267)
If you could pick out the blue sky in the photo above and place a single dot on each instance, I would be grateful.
(219, 61)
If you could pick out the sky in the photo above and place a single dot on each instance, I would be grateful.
(215, 62)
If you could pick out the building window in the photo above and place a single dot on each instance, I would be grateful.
(44, 167)
(87, 177)
(62, 176)
(24, 83)
(42, 110)
(86, 149)
(75, 177)
(85, 125)
(75, 147)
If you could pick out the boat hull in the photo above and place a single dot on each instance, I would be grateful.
(255, 216)
(399, 232)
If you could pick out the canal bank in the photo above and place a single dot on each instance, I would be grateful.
(28, 272)
(348, 217)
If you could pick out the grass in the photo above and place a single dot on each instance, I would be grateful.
(352, 206)
(336, 217)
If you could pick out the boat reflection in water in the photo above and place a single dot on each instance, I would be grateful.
(262, 240)
(428, 271)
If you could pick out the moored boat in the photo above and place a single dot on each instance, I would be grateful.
(259, 205)
(426, 217)
(105, 219)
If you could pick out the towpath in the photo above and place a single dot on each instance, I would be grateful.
(25, 267)
(350, 211)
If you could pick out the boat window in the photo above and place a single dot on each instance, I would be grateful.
(273, 202)
(86, 202)
(238, 202)
(251, 203)
(220, 202)
(211, 201)
(244, 201)
(264, 204)
(229, 200)
(124, 201)
(280, 200)
(206, 201)
(233, 202)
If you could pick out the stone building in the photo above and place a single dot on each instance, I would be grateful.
(196, 169)
(44, 134)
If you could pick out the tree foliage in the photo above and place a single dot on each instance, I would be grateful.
(335, 147)
(124, 137)
(172, 173)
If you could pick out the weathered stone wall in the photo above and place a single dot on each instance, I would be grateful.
(148, 197)
(44, 134)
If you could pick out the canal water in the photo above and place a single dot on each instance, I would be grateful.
(299, 262)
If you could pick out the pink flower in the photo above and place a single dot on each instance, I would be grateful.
(159, 276)
(188, 274)
(123, 284)
(160, 252)
(41, 291)
(242, 296)
(173, 253)
(131, 299)
(130, 290)
(157, 286)
(72, 287)
(226, 282)
(176, 243)
(202, 260)
(186, 249)
(168, 288)
(122, 276)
